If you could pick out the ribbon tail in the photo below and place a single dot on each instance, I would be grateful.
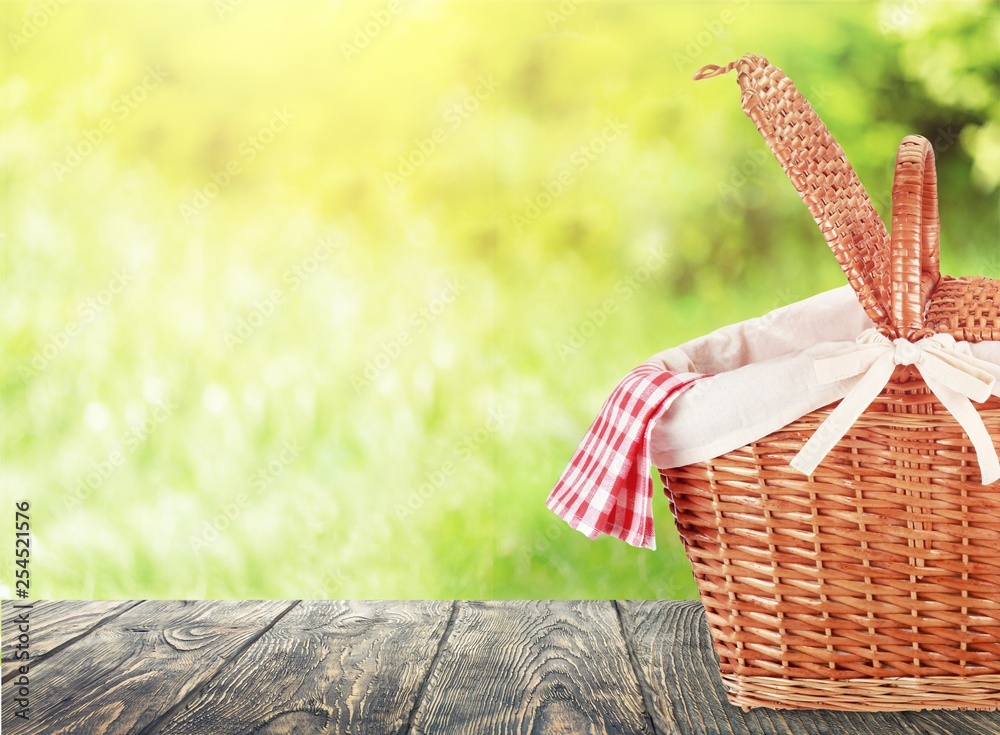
(975, 379)
(969, 419)
(843, 416)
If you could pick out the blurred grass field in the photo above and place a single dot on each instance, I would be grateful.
(316, 299)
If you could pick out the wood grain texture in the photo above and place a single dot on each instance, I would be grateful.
(405, 668)
(325, 668)
(119, 677)
(533, 668)
(53, 624)
(679, 675)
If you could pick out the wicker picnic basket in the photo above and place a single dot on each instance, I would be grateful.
(874, 583)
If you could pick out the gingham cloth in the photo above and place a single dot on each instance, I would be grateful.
(607, 487)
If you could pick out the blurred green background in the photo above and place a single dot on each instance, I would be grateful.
(316, 299)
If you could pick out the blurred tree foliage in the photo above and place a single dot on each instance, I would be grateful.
(539, 155)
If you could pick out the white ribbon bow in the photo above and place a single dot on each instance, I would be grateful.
(948, 368)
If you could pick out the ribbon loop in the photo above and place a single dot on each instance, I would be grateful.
(950, 370)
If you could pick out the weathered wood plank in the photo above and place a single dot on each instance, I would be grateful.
(497, 668)
(678, 672)
(326, 667)
(51, 624)
(520, 668)
(119, 677)
(951, 723)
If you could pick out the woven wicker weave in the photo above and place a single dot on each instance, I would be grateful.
(873, 584)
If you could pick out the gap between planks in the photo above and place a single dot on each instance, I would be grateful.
(156, 725)
(35, 660)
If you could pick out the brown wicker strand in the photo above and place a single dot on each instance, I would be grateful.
(903, 694)
(873, 584)
(855, 573)
(915, 227)
(821, 174)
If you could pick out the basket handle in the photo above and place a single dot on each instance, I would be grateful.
(820, 172)
(915, 262)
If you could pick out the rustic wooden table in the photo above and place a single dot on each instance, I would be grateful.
(475, 668)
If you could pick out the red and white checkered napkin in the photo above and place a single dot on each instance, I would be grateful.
(607, 487)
